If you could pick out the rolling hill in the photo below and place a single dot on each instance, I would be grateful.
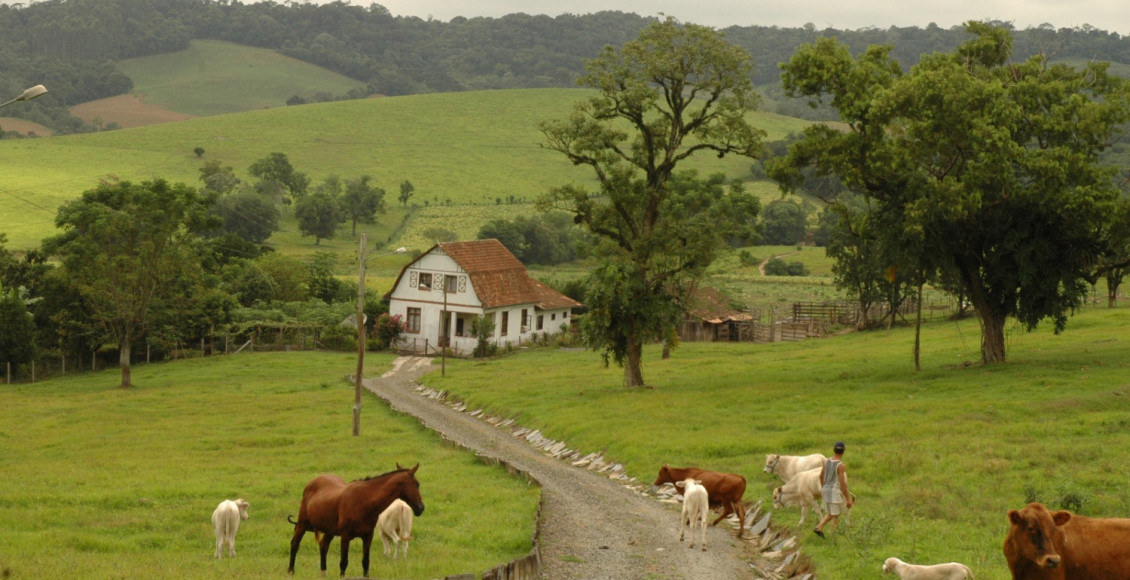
(456, 149)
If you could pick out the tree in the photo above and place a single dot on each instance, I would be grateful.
(124, 245)
(278, 178)
(18, 339)
(987, 169)
(675, 91)
(248, 215)
(783, 223)
(362, 201)
(217, 178)
(406, 191)
(318, 215)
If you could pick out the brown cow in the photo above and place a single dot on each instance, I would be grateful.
(724, 490)
(1042, 545)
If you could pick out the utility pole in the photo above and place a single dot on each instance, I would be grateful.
(360, 340)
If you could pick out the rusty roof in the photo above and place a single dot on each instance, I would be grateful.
(710, 305)
(499, 278)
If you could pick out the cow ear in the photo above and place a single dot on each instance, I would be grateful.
(698, 482)
(1014, 517)
(1061, 517)
(680, 484)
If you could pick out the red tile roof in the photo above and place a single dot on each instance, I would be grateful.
(498, 278)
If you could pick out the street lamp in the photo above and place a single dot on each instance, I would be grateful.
(361, 336)
(27, 95)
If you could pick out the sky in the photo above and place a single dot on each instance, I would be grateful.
(1110, 15)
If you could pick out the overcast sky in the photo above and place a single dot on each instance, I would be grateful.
(1111, 15)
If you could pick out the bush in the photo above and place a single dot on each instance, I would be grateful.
(778, 267)
(338, 337)
(388, 329)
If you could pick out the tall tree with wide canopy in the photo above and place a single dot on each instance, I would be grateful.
(675, 91)
(123, 245)
(990, 168)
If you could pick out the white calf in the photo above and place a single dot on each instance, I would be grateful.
(950, 571)
(696, 506)
(805, 490)
(226, 520)
(395, 525)
(787, 466)
(802, 490)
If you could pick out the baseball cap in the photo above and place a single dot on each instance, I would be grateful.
(839, 447)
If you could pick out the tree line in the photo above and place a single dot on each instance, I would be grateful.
(72, 45)
(159, 266)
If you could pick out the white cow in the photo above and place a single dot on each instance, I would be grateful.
(395, 525)
(949, 571)
(787, 466)
(803, 491)
(696, 506)
(226, 520)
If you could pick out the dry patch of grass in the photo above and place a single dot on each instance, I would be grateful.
(126, 111)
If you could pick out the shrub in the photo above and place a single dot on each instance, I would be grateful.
(389, 329)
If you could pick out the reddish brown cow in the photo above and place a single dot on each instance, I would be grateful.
(724, 490)
(1042, 545)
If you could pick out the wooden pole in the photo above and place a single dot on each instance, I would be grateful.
(360, 340)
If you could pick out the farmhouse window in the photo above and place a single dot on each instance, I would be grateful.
(553, 316)
(525, 320)
(450, 284)
(458, 327)
(425, 284)
(505, 323)
(541, 321)
(413, 320)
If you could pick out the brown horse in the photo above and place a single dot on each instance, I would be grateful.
(334, 508)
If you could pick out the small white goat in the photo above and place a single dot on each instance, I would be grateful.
(226, 520)
(949, 571)
(695, 509)
(395, 524)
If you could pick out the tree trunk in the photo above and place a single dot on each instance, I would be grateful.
(1112, 284)
(633, 364)
(123, 360)
(992, 334)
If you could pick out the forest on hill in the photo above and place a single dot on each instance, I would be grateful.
(73, 45)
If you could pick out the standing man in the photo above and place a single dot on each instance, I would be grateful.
(833, 475)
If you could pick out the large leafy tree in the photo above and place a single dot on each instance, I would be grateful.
(987, 168)
(675, 91)
(362, 201)
(318, 215)
(128, 247)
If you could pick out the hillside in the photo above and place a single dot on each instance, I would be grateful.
(469, 148)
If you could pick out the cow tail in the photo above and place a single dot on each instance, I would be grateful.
(291, 520)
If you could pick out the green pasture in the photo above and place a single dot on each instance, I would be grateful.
(101, 482)
(212, 77)
(936, 457)
(460, 149)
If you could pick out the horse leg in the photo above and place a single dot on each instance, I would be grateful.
(323, 547)
(345, 552)
(366, 543)
(299, 531)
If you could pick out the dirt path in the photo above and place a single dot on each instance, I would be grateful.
(592, 526)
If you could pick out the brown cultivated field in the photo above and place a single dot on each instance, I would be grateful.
(125, 110)
(24, 127)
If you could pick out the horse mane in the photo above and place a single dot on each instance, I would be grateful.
(371, 477)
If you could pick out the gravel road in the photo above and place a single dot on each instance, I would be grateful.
(593, 527)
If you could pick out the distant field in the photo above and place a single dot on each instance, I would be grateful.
(24, 127)
(470, 148)
(125, 111)
(212, 77)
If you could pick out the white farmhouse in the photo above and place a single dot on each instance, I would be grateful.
(440, 293)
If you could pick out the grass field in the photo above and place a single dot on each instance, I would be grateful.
(936, 457)
(101, 482)
(469, 148)
(213, 77)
